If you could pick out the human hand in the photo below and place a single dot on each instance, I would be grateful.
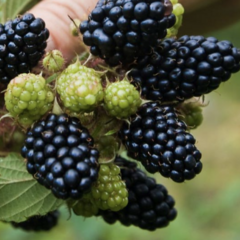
(55, 14)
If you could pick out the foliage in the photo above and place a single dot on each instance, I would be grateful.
(20, 194)
(9, 9)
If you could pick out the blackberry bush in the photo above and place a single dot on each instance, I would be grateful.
(22, 45)
(119, 31)
(160, 141)
(60, 155)
(84, 116)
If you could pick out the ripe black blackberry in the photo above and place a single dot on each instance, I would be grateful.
(158, 139)
(187, 67)
(60, 155)
(22, 44)
(39, 223)
(149, 205)
(119, 30)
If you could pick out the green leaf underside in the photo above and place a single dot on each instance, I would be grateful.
(12, 8)
(21, 196)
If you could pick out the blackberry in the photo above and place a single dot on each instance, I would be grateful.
(39, 223)
(22, 45)
(109, 191)
(149, 205)
(60, 155)
(118, 31)
(158, 139)
(187, 67)
(28, 98)
(80, 88)
(121, 99)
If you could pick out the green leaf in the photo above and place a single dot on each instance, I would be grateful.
(111, 132)
(21, 196)
(11, 8)
(2, 2)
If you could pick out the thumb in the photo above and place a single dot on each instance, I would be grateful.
(55, 14)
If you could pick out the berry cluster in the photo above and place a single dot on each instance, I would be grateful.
(39, 223)
(158, 139)
(60, 155)
(77, 135)
(118, 31)
(186, 67)
(149, 205)
(22, 45)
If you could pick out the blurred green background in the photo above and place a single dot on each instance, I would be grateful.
(208, 206)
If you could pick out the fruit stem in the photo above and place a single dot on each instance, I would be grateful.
(52, 78)
(104, 125)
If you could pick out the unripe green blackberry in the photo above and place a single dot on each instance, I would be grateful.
(53, 61)
(191, 114)
(80, 88)
(85, 207)
(121, 99)
(109, 192)
(28, 98)
(178, 11)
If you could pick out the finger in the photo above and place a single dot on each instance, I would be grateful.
(55, 14)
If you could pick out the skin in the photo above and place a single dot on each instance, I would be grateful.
(55, 13)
